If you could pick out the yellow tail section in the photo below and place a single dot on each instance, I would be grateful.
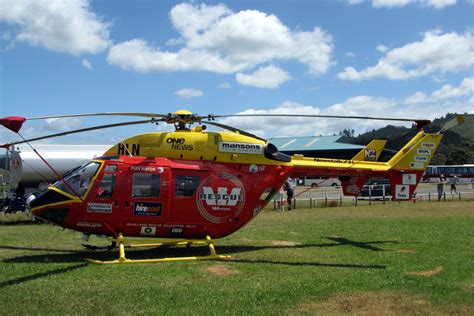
(372, 151)
(417, 153)
(404, 170)
(408, 165)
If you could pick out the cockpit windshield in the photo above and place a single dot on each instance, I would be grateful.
(79, 181)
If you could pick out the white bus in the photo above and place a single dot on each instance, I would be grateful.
(465, 173)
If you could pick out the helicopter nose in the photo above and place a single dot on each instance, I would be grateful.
(44, 206)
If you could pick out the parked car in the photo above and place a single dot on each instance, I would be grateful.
(320, 182)
(376, 188)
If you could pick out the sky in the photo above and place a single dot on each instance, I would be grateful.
(384, 58)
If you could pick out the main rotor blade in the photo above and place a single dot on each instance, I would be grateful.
(98, 114)
(235, 130)
(419, 123)
(79, 131)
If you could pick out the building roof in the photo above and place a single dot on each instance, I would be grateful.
(312, 143)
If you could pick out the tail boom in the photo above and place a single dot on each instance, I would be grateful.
(404, 169)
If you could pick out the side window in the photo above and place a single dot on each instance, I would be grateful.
(107, 186)
(111, 168)
(185, 186)
(146, 185)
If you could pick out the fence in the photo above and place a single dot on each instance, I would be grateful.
(332, 196)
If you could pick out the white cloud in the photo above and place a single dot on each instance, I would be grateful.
(189, 93)
(86, 64)
(297, 126)
(219, 40)
(382, 48)
(62, 124)
(282, 126)
(417, 98)
(437, 53)
(447, 91)
(137, 55)
(466, 88)
(224, 85)
(438, 4)
(49, 126)
(61, 26)
(351, 55)
(270, 77)
(446, 99)
(390, 3)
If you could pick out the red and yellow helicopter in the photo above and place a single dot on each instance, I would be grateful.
(196, 186)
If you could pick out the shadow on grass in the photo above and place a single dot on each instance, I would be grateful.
(40, 275)
(69, 256)
(313, 264)
(179, 252)
(36, 249)
(338, 241)
(367, 245)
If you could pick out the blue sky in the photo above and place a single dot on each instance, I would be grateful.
(390, 58)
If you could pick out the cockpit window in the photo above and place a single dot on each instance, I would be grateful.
(79, 180)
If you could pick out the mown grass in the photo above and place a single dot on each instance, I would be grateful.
(393, 258)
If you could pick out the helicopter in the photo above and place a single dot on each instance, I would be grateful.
(194, 186)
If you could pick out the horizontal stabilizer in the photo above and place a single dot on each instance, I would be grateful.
(372, 151)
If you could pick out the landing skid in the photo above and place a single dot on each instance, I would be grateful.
(122, 259)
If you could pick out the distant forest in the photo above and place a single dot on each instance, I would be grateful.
(457, 145)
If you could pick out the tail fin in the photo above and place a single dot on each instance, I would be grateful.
(372, 151)
(407, 166)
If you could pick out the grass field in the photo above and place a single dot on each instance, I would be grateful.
(390, 259)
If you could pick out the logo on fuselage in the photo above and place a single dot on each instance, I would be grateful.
(370, 155)
(240, 148)
(128, 149)
(179, 143)
(220, 198)
(147, 209)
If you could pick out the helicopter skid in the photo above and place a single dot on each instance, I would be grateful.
(122, 259)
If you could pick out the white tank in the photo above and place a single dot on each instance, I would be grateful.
(61, 157)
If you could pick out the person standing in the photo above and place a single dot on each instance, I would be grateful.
(281, 198)
(441, 184)
(290, 192)
(454, 181)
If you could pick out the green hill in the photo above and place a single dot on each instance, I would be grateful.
(457, 146)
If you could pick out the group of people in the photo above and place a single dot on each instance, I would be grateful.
(442, 183)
